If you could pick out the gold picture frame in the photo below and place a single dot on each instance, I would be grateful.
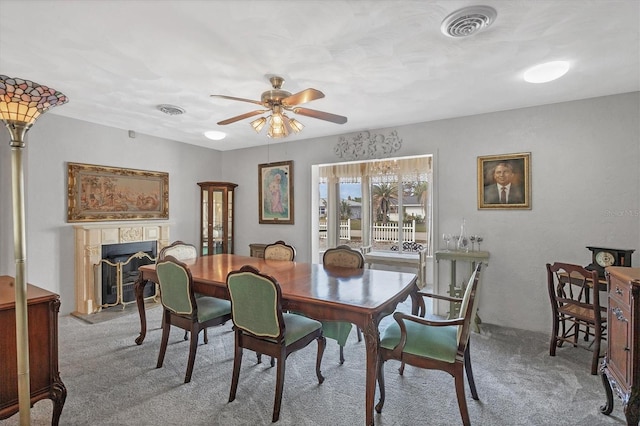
(103, 193)
(511, 171)
(275, 189)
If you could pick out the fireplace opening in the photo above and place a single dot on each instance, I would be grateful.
(119, 271)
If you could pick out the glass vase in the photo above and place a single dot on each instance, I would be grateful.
(463, 241)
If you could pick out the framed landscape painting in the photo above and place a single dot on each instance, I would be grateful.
(504, 181)
(275, 189)
(103, 193)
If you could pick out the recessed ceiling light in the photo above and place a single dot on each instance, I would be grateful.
(215, 135)
(546, 72)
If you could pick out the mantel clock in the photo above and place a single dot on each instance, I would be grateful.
(601, 257)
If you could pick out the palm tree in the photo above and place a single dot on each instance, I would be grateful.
(345, 210)
(384, 196)
(420, 191)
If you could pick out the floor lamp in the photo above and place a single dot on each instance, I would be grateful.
(21, 103)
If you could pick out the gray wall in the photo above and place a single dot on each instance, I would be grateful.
(585, 158)
(51, 143)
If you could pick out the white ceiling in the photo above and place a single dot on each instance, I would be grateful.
(380, 63)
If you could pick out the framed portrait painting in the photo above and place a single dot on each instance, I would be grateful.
(504, 181)
(275, 189)
(103, 193)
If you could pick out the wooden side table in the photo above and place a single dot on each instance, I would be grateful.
(453, 256)
(417, 260)
(621, 366)
(44, 377)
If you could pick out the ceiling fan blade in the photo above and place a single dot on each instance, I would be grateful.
(339, 119)
(237, 99)
(306, 95)
(242, 117)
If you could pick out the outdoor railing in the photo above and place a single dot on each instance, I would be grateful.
(345, 229)
(389, 231)
(380, 231)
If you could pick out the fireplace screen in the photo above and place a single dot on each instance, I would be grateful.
(117, 272)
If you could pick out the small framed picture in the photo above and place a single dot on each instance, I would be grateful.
(504, 181)
(275, 189)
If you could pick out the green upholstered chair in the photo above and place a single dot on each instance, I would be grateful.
(434, 344)
(261, 326)
(182, 309)
(343, 257)
(573, 306)
(279, 251)
(182, 251)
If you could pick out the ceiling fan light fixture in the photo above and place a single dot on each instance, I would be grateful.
(277, 128)
(296, 126)
(549, 71)
(258, 124)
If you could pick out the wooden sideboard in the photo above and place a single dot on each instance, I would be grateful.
(621, 366)
(42, 308)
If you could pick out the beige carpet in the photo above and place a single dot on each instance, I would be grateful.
(112, 381)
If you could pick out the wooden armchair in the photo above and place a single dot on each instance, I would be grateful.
(279, 251)
(434, 344)
(261, 326)
(343, 257)
(184, 310)
(575, 303)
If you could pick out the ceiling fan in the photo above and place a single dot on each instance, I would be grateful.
(277, 101)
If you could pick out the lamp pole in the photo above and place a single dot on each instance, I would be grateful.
(21, 103)
(20, 254)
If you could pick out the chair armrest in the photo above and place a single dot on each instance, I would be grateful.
(401, 317)
(440, 296)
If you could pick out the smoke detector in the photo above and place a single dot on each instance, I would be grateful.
(468, 21)
(171, 109)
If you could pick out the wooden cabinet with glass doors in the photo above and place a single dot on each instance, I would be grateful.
(216, 221)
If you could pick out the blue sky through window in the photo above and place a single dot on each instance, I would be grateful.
(346, 190)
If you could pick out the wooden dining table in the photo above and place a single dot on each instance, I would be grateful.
(360, 296)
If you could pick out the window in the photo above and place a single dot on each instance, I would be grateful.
(384, 204)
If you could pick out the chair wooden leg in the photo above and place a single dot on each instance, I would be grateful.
(469, 371)
(380, 403)
(596, 351)
(341, 354)
(462, 401)
(322, 343)
(206, 338)
(166, 327)
(279, 386)
(237, 362)
(359, 333)
(554, 337)
(193, 347)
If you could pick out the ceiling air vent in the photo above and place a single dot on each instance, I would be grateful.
(468, 21)
(171, 109)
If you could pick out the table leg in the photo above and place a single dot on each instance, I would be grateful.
(372, 341)
(139, 292)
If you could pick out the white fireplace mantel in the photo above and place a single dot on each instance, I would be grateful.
(89, 239)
